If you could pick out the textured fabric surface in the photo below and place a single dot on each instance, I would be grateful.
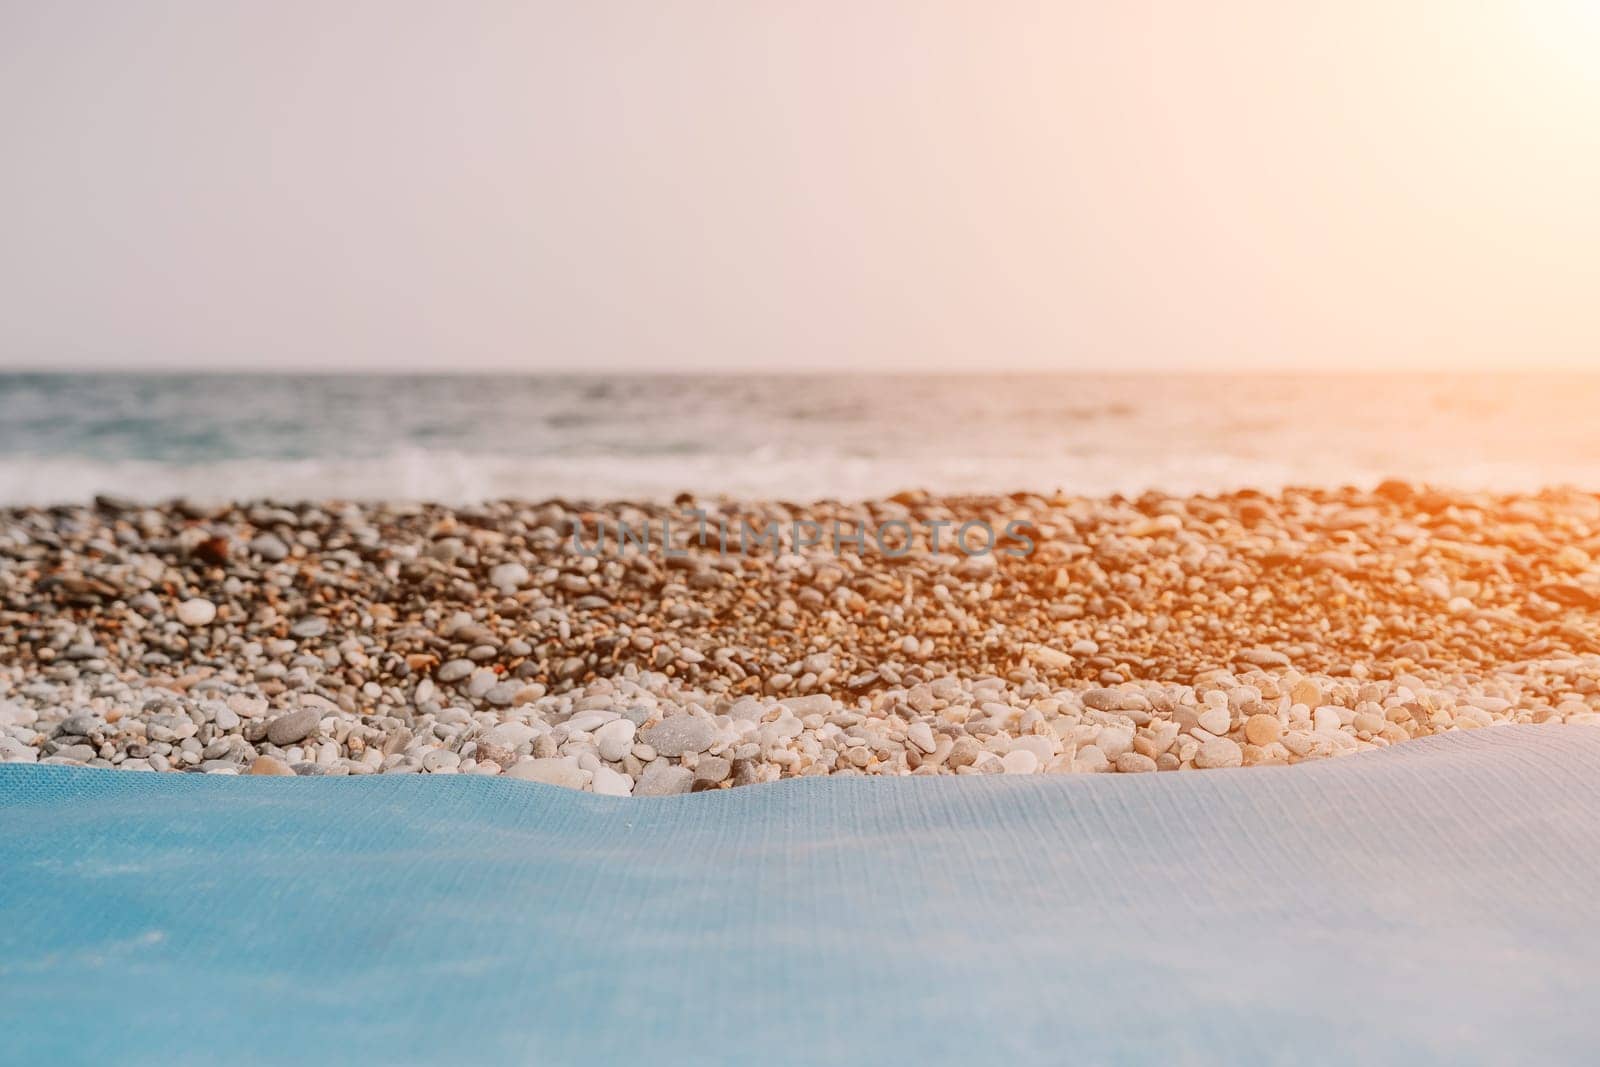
(1435, 902)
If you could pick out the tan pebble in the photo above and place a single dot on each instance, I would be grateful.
(1306, 692)
(269, 765)
(1049, 657)
(962, 753)
(1369, 722)
(1262, 729)
(1135, 763)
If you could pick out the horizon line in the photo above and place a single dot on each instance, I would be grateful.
(167, 370)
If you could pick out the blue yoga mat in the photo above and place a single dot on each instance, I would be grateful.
(1435, 902)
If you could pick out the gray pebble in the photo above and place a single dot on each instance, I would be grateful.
(269, 547)
(455, 670)
(712, 769)
(293, 727)
(311, 626)
(679, 734)
(661, 779)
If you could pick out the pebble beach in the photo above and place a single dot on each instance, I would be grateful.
(1138, 634)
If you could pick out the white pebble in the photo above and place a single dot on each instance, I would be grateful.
(614, 739)
(1215, 720)
(610, 783)
(1020, 761)
(197, 611)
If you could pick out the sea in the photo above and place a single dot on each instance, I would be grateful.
(465, 438)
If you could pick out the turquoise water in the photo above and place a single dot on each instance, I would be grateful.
(458, 439)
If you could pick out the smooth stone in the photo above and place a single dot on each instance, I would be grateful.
(197, 611)
(921, 735)
(1263, 729)
(963, 753)
(80, 725)
(610, 783)
(293, 727)
(1135, 763)
(269, 547)
(551, 771)
(1042, 747)
(1263, 657)
(679, 734)
(588, 721)
(1052, 658)
(311, 626)
(482, 681)
(504, 694)
(1373, 723)
(270, 765)
(1104, 699)
(455, 670)
(14, 751)
(815, 704)
(661, 779)
(614, 739)
(509, 735)
(1020, 761)
(712, 769)
(508, 577)
(440, 761)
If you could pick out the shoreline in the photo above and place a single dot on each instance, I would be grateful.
(1137, 634)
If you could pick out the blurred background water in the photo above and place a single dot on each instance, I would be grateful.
(458, 439)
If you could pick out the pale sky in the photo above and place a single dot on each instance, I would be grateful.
(754, 185)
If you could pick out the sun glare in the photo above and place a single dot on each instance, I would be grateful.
(1564, 32)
